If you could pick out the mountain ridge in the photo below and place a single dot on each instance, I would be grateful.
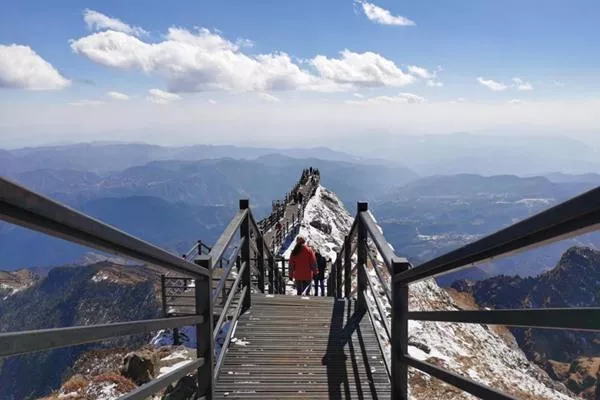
(573, 282)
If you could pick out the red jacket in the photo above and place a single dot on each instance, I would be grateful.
(303, 265)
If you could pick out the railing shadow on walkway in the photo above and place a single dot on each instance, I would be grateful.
(340, 336)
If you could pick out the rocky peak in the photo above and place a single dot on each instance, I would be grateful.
(573, 282)
(12, 282)
(69, 296)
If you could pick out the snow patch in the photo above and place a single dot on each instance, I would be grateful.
(99, 277)
(166, 370)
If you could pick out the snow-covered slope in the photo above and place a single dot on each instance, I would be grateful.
(483, 353)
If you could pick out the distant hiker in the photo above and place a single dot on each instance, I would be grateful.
(300, 198)
(303, 265)
(319, 278)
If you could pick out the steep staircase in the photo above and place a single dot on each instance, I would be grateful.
(293, 347)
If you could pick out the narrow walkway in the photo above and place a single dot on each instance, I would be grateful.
(291, 347)
(291, 212)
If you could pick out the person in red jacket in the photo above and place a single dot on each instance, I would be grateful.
(303, 265)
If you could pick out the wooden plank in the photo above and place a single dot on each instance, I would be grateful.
(303, 348)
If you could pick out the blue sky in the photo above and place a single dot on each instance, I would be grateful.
(95, 70)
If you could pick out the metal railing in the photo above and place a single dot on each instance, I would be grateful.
(23, 207)
(573, 217)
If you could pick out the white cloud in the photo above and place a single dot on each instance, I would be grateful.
(158, 96)
(421, 72)
(203, 60)
(243, 42)
(21, 67)
(492, 85)
(522, 85)
(86, 102)
(358, 95)
(515, 101)
(269, 98)
(433, 83)
(406, 98)
(97, 21)
(495, 86)
(200, 61)
(361, 69)
(118, 95)
(211, 101)
(382, 16)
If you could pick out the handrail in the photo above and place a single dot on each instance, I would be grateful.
(382, 245)
(384, 284)
(461, 382)
(147, 390)
(21, 342)
(234, 287)
(228, 234)
(196, 250)
(254, 226)
(573, 217)
(23, 207)
(217, 291)
(229, 334)
(388, 330)
(582, 319)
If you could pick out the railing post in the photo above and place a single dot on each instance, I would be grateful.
(399, 338)
(261, 262)
(362, 250)
(163, 291)
(338, 278)
(331, 285)
(205, 346)
(347, 266)
(271, 262)
(245, 252)
(271, 272)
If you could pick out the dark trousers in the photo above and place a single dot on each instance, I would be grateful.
(300, 286)
(319, 281)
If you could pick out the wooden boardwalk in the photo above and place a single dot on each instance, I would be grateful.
(291, 212)
(291, 347)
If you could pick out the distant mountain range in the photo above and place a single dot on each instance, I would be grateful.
(573, 282)
(433, 215)
(134, 185)
(447, 154)
(103, 157)
(173, 203)
(501, 187)
(480, 153)
(175, 226)
(214, 181)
